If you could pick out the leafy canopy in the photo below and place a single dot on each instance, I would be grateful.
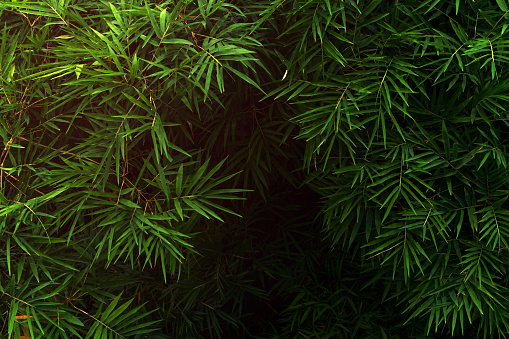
(136, 134)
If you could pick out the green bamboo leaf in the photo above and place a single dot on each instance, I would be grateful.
(179, 208)
(128, 203)
(365, 12)
(503, 5)
(243, 77)
(178, 184)
(12, 316)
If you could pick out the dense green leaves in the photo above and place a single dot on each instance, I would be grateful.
(100, 165)
(152, 153)
(403, 111)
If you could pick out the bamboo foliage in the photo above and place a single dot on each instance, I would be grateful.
(155, 154)
(403, 109)
(98, 100)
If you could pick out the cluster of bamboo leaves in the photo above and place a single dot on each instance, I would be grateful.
(115, 123)
(156, 154)
(403, 106)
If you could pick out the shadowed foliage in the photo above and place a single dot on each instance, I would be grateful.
(254, 169)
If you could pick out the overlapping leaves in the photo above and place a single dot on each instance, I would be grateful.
(403, 111)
